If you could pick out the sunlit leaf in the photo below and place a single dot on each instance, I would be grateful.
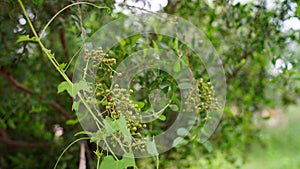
(177, 66)
(64, 86)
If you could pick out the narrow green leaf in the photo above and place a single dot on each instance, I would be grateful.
(176, 66)
(151, 147)
(24, 38)
(155, 46)
(208, 146)
(185, 60)
(72, 122)
(175, 46)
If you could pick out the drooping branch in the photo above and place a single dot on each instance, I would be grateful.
(61, 110)
(15, 82)
(5, 138)
(27, 90)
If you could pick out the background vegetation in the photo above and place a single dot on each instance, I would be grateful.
(260, 57)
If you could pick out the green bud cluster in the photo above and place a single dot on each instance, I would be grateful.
(191, 101)
(206, 95)
(131, 111)
(97, 54)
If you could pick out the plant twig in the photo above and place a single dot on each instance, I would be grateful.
(5, 138)
(14, 82)
(27, 90)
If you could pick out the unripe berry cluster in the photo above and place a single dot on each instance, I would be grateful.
(206, 94)
(131, 111)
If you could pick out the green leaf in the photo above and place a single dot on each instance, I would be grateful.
(298, 10)
(177, 141)
(208, 146)
(2, 123)
(174, 107)
(64, 86)
(72, 122)
(111, 126)
(140, 104)
(81, 85)
(11, 123)
(75, 105)
(175, 46)
(185, 60)
(176, 66)
(37, 2)
(110, 162)
(123, 128)
(182, 132)
(97, 136)
(151, 147)
(98, 153)
(128, 160)
(24, 38)
(180, 141)
(155, 46)
(104, 103)
(62, 66)
(162, 117)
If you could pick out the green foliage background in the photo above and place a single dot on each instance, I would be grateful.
(248, 37)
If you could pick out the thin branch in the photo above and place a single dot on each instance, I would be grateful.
(27, 90)
(63, 42)
(82, 160)
(61, 110)
(5, 138)
(15, 82)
